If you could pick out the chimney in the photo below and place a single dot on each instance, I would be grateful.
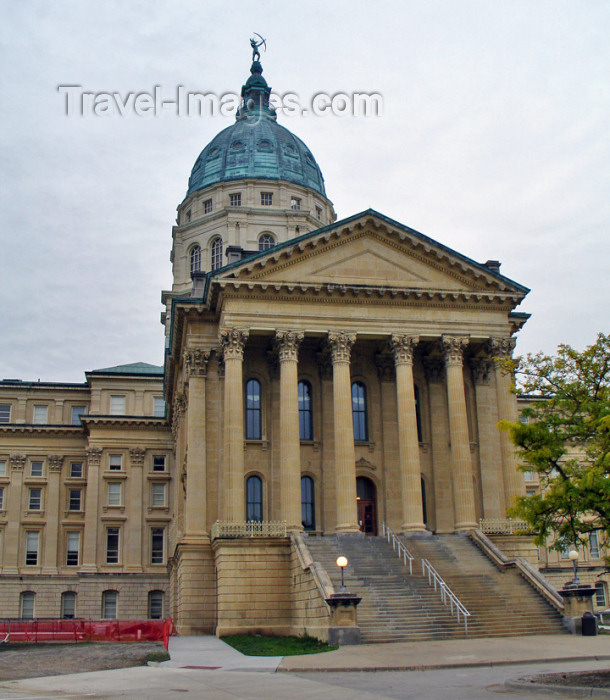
(493, 265)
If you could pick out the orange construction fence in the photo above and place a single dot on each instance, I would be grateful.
(81, 630)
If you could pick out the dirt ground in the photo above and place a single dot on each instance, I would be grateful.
(33, 660)
(586, 679)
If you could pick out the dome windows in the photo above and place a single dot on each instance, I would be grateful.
(216, 253)
(266, 241)
(235, 199)
(266, 199)
(195, 258)
(265, 146)
(207, 206)
(295, 203)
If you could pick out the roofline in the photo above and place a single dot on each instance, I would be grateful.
(42, 385)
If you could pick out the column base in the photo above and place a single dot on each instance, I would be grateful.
(294, 528)
(465, 527)
(416, 533)
(409, 528)
(347, 528)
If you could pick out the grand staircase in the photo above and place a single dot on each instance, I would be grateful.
(397, 606)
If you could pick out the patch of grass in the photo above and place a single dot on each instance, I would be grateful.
(155, 656)
(258, 645)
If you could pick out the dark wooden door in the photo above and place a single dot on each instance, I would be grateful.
(367, 516)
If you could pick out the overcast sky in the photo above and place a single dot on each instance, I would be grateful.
(494, 141)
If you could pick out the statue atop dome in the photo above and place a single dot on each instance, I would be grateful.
(256, 54)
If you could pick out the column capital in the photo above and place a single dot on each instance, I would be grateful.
(480, 368)
(17, 462)
(501, 347)
(287, 344)
(403, 347)
(55, 463)
(233, 341)
(94, 456)
(136, 456)
(196, 362)
(453, 349)
(341, 345)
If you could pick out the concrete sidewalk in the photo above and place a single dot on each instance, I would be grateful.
(453, 654)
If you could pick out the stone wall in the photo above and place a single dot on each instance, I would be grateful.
(310, 587)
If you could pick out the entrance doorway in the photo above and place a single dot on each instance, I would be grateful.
(366, 495)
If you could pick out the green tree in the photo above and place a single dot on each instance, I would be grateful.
(566, 441)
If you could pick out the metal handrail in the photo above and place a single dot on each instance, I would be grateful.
(434, 579)
(402, 552)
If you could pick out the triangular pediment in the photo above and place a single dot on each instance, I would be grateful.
(369, 250)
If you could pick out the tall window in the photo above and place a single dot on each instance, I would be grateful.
(155, 605)
(594, 545)
(216, 251)
(266, 241)
(72, 548)
(31, 548)
(253, 410)
(305, 412)
(112, 545)
(158, 407)
(68, 605)
(418, 414)
(74, 499)
(77, 412)
(27, 605)
(115, 493)
(2, 467)
(207, 206)
(359, 412)
(157, 498)
(254, 499)
(157, 551)
(308, 510)
(1, 497)
(600, 594)
(110, 601)
(35, 500)
(195, 259)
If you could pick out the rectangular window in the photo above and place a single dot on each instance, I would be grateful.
(68, 605)
(76, 470)
(1, 498)
(157, 553)
(77, 412)
(2, 467)
(235, 199)
(41, 415)
(295, 203)
(600, 595)
(112, 545)
(5, 413)
(72, 548)
(319, 213)
(158, 463)
(115, 463)
(74, 499)
(524, 419)
(117, 405)
(266, 199)
(207, 206)
(35, 501)
(594, 545)
(109, 604)
(36, 468)
(31, 548)
(564, 552)
(27, 605)
(155, 605)
(158, 407)
(158, 495)
(114, 493)
(529, 476)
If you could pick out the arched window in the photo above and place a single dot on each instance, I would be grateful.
(195, 259)
(27, 605)
(155, 605)
(68, 605)
(418, 414)
(305, 411)
(253, 410)
(359, 412)
(308, 507)
(254, 499)
(216, 251)
(266, 241)
(110, 600)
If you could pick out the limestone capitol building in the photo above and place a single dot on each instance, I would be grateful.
(321, 378)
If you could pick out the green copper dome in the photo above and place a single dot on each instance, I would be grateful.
(256, 146)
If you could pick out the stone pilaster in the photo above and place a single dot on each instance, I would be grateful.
(233, 341)
(408, 442)
(13, 515)
(345, 455)
(461, 462)
(94, 458)
(196, 361)
(514, 484)
(133, 535)
(288, 343)
(51, 506)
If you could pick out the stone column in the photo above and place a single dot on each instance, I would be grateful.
(408, 441)
(196, 362)
(345, 455)
(12, 531)
(133, 555)
(53, 515)
(94, 458)
(461, 462)
(233, 341)
(514, 483)
(290, 444)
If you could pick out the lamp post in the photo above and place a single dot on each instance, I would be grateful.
(573, 556)
(342, 563)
